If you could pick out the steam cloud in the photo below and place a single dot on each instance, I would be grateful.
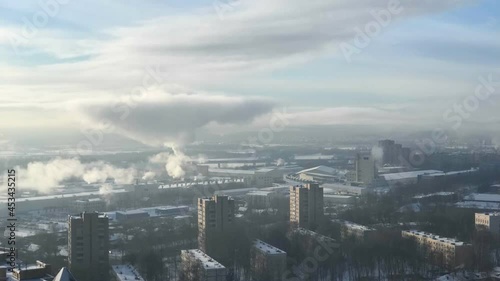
(44, 177)
(175, 164)
(159, 119)
(162, 119)
(377, 154)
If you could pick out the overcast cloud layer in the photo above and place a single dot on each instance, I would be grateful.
(426, 59)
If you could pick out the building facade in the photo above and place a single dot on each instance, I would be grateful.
(488, 221)
(88, 246)
(306, 205)
(442, 251)
(268, 262)
(198, 266)
(215, 217)
(366, 171)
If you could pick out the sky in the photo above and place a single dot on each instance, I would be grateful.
(158, 71)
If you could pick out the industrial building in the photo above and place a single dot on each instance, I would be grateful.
(198, 266)
(263, 177)
(306, 205)
(59, 201)
(443, 251)
(88, 246)
(89, 205)
(215, 217)
(488, 221)
(268, 262)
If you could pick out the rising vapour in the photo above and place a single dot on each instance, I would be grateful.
(377, 154)
(45, 176)
(176, 163)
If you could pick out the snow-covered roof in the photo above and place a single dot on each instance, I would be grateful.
(126, 272)
(267, 249)
(409, 175)
(320, 170)
(437, 238)
(206, 261)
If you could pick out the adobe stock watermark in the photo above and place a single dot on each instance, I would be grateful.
(48, 9)
(152, 79)
(364, 36)
(486, 89)
(265, 136)
(223, 7)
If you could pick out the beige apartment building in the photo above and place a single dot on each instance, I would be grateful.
(444, 251)
(88, 246)
(268, 262)
(488, 221)
(215, 216)
(306, 205)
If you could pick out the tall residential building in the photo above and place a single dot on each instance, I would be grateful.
(268, 262)
(198, 266)
(442, 251)
(215, 217)
(366, 171)
(306, 205)
(488, 221)
(88, 246)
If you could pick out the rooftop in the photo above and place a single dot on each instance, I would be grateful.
(409, 175)
(356, 226)
(61, 196)
(126, 272)
(435, 237)
(206, 261)
(267, 249)
(484, 197)
(493, 214)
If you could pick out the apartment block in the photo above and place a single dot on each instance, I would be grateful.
(488, 221)
(198, 266)
(268, 262)
(360, 232)
(215, 217)
(306, 205)
(366, 171)
(88, 246)
(443, 251)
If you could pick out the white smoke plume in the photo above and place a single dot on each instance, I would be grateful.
(149, 175)
(105, 192)
(377, 154)
(176, 163)
(45, 176)
(280, 162)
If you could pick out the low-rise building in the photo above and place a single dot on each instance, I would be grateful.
(268, 262)
(488, 221)
(127, 272)
(336, 199)
(359, 232)
(443, 251)
(260, 199)
(38, 272)
(198, 266)
(89, 205)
